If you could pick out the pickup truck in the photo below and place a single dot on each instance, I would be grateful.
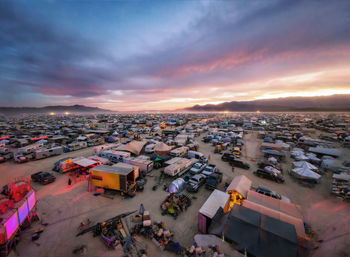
(43, 177)
(226, 157)
(213, 180)
(197, 168)
(195, 183)
(210, 168)
(240, 164)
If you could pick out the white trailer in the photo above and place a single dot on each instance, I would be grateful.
(77, 145)
(98, 149)
(177, 166)
(30, 148)
(44, 152)
(103, 161)
(179, 152)
(144, 164)
(115, 156)
(181, 140)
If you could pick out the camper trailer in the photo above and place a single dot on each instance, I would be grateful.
(29, 148)
(77, 145)
(98, 149)
(44, 152)
(5, 155)
(115, 156)
(177, 166)
(179, 152)
(144, 164)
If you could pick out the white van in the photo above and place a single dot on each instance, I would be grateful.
(197, 155)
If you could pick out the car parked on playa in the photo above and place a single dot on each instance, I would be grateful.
(267, 191)
(269, 174)
(43, 177)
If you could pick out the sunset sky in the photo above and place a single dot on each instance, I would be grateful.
(164, 55)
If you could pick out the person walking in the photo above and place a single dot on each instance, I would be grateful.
(209, 157)
(233, 169)
(69, 182)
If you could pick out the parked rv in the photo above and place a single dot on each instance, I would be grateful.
(177, 166)
(5, 155)
(115, 156)
(143, 162)
(179, 152)
(77, 145)
(44, 152)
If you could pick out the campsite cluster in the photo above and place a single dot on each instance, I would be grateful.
(218, 184)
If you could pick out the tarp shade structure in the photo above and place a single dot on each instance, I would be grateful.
(162, 148)
(84, 162)
(305, 173)
(304, 164)
(259, 234)
(342, 176)
(273, 152)
(134, 147)
(325, 151)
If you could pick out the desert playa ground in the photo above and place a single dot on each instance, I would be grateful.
(63, 208)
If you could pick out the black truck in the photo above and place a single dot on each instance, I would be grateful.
(239, 164)
(43, 177)
(213, 180)
(227, 157)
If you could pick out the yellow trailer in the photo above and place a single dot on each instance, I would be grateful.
(120, 176)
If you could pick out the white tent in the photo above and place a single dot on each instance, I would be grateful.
(306, 173)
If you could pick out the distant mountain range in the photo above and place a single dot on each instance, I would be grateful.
(57, 109)
(319, 103)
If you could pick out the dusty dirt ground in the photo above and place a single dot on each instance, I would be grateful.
(64, 208)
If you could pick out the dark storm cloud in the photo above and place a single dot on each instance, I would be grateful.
(52, 61)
